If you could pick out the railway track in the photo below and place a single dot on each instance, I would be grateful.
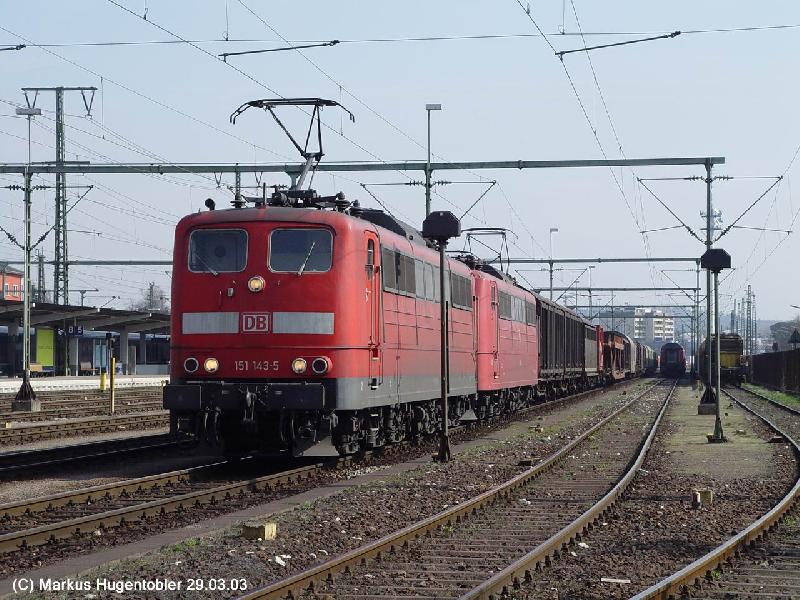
(37, 521)
(479, 548)
(83, 409)
(64, 399)
(768, 550)
(28, 433)
(42, 459)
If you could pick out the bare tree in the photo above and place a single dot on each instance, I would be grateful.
(154, 299)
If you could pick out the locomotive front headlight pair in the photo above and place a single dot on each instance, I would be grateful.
(319, 365)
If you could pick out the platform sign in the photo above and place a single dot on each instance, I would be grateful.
(75, 330)
(45, 346)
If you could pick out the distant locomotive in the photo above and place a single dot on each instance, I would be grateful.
(673, 360)
(317, 331)
(732, 369)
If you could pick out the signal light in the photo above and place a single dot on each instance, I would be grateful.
(299, 365)
(320, 365)
(191, 365)
(256, 284)
(211, 365)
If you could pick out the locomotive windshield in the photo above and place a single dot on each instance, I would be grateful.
(217, 251)
(300, 250)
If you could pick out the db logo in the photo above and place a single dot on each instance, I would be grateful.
(255, 322)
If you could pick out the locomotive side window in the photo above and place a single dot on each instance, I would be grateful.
(419, 276)
(429, 285)
(389, 271)
(461, 291)
(530, 313)
(406, 276)
(370, 252)
(505, 306)
(217, 250)
(300, 250)
(402, 276)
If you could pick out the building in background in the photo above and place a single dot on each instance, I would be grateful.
(10, 282)
(646, 325)
(653, 327)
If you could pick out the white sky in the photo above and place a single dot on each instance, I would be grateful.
(723, 94)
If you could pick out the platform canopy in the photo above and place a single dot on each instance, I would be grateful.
(60, 316)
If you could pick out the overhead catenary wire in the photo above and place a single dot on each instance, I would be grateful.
(142, 95)
(431, 38)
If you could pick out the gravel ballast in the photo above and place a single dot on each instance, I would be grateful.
(314, 532)
(654, 531)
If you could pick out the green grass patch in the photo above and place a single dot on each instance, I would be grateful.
(782, 397)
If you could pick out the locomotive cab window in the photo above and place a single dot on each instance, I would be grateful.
(300, 250)
(217, 250)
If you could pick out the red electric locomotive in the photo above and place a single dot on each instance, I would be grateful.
(294, 326)
(310, 324)
(318, 331)
(673, 360)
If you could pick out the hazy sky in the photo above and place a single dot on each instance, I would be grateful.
(729, 94)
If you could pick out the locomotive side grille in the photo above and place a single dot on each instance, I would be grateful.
(210, 322)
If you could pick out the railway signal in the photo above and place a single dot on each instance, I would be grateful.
(715, 260)
(440, 227)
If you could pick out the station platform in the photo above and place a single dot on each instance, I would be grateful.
(92, 382)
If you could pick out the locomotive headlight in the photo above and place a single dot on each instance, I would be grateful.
(256, 284)
(320, 365)
(191, 365)
(299, 365)
(211, 365)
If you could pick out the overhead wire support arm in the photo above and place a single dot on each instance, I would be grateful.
(778, 179)
(471, 206)
(561, 53)
(661, 202)
(225, 55)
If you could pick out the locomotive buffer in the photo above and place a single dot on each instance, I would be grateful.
(440, 227)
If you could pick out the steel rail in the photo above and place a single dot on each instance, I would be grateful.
(85, 409)
(512, 577)
(43, 458)
(117, 488)
(39, 535)
(43, 534)
(293, 586)
(88, 425)
(678, 583)
(780, 405)
(105, 490)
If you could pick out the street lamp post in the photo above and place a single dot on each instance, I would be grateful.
(552, 231)
(428, 109)
(440, 227)
(25, 400)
